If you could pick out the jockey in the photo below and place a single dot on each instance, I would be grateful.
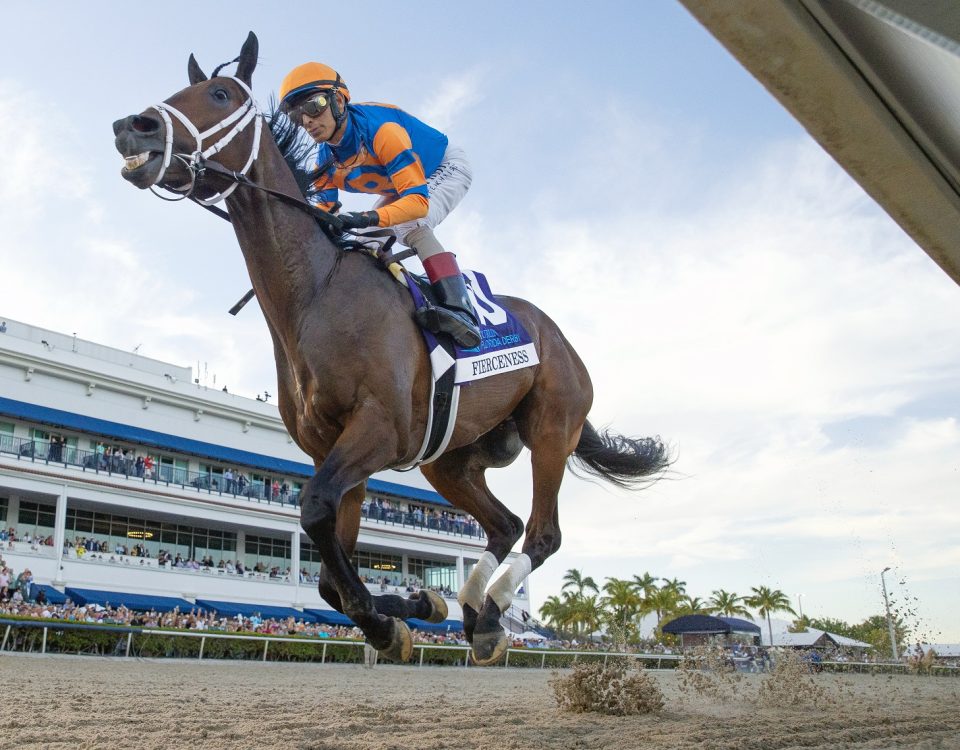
(380, 149)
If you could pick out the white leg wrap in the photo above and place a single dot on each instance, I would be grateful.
(502, 590)
(472, 591)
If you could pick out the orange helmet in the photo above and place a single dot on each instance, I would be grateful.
(309, 77)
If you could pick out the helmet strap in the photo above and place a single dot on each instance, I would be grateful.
(339, 113)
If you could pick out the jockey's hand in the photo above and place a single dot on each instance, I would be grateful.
(360, 219)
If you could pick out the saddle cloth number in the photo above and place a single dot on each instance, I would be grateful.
(488, 311)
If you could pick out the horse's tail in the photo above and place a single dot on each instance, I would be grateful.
(624, 461)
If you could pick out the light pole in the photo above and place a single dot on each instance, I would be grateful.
(886, 602)
(800, 604)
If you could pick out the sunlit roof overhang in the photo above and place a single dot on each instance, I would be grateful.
(877, 85)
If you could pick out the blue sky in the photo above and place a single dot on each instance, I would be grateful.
(729, 287)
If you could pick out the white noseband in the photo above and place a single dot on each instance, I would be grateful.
(247, 112)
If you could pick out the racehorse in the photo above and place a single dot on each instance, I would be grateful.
(354, 375)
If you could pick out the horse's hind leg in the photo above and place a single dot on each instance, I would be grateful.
(459, 477)
(549, 421)
(542, 540)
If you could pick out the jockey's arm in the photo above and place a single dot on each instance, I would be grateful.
(394, 149)
(327, 196)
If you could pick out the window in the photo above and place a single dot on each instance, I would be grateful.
(189, 542)
(41, 442)
(211, 477)
(309, 557)
(266, 552)
(4, 502)
(36, 518)
(256, 485)
(80, 521)
(6, 437)
(374, 566)
(172, 469)
(434, 573)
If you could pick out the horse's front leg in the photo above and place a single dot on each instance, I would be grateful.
(354, 457)
(424, 605)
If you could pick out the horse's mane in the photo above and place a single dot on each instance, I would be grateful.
(298, 152)
(297, 149)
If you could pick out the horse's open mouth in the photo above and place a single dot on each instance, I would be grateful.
(143, 168)
(133, 163)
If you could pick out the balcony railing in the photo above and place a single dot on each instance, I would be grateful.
(160, 474)
(457, 525)
(128, 467)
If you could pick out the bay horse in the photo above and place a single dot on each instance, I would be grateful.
(354, 375)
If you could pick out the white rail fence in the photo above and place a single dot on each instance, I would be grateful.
(526, 656)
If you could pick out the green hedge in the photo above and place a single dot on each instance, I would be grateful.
(172, 644)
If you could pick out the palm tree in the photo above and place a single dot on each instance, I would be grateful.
(728, 604)
(692, 605)
(573, 578)
(645, 584)
(587, 615)
(556, 612)
(622, 602)
(765, 601)
(663, 602)
(675, 585)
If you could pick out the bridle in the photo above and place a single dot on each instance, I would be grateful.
(196, 162)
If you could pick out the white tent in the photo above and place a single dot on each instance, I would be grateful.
(530, 635)
(812, 638)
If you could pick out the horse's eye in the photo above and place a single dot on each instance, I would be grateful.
(220, 95)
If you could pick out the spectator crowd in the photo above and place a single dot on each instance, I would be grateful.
(199, 620)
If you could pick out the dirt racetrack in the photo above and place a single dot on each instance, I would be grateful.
(129, 704)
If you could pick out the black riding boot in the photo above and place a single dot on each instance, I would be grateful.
(453, 314)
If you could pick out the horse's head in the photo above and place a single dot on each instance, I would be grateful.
(166, 143)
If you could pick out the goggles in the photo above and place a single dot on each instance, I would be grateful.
(313, 106)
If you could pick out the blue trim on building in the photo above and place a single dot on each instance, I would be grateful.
(137, 602)
(330, 617)
(53, 596)
(232, 609)
(161, 440)
(447, 626)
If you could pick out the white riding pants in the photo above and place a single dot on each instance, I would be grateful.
(447, 186)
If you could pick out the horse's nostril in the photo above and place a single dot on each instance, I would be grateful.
(144, 124)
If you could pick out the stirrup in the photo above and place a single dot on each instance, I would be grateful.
(452, 322)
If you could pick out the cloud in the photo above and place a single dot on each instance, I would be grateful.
(744, 318)
(453, 96)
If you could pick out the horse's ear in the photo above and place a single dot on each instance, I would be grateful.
(248, 58)
(193, 70)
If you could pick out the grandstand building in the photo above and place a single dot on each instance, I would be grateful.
(124, 479)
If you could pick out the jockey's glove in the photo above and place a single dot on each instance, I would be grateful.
(360, 219)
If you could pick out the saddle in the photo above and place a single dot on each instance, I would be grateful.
(504, 346)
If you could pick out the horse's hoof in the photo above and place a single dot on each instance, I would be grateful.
(401, 647)
(438, 607)
(469, 621)
(489, 648)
